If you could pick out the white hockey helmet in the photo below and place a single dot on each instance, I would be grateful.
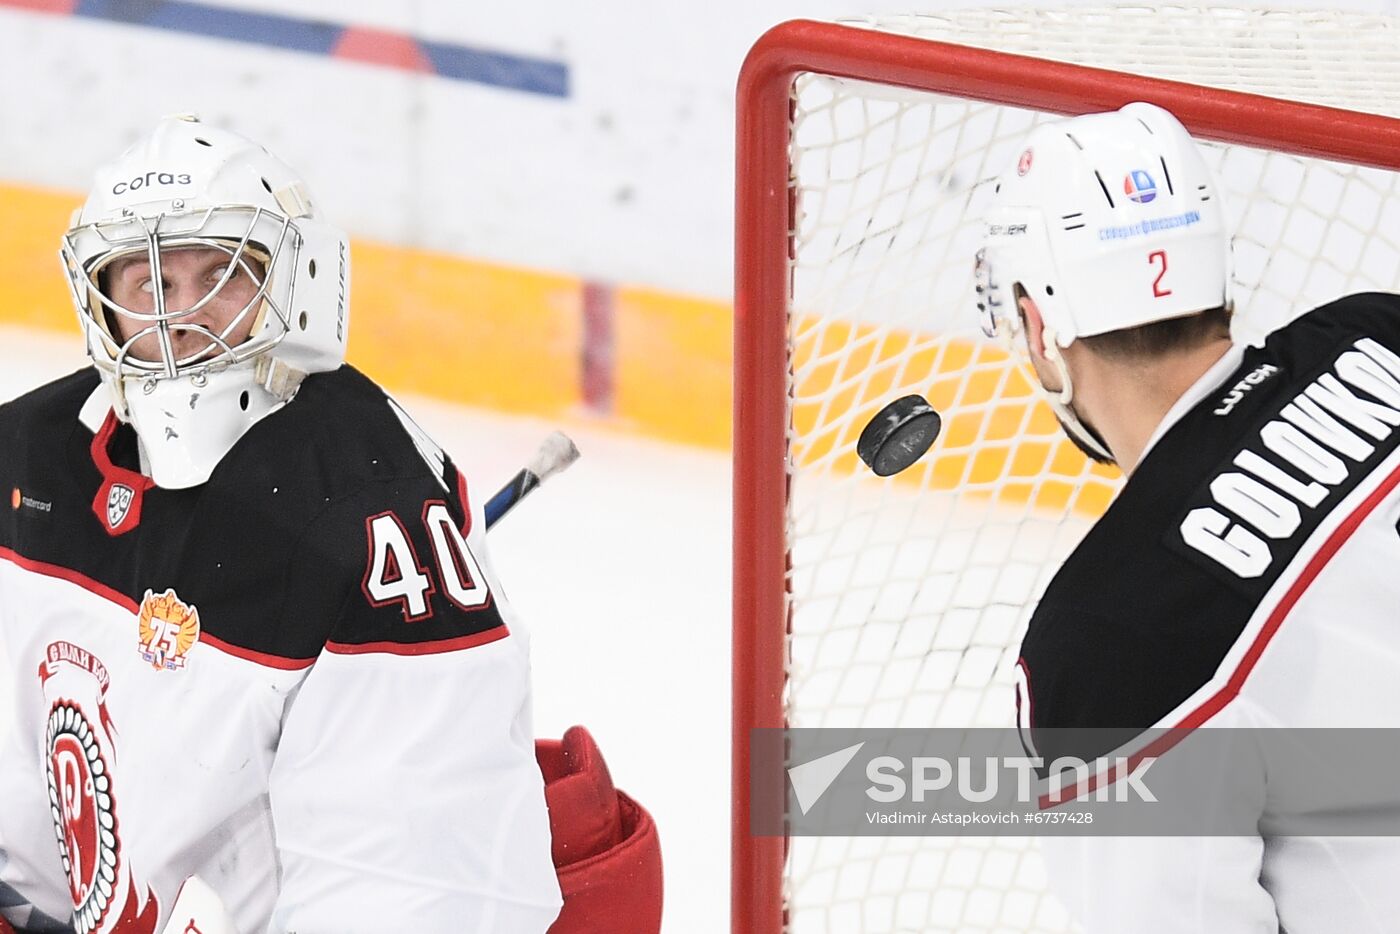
(190, 185)
(1107, 221)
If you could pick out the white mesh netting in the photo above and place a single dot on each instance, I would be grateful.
(909, 595)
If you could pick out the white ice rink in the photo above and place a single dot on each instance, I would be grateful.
(621, 568)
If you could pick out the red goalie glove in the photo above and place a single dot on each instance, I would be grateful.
(5, 927)
(606, 849)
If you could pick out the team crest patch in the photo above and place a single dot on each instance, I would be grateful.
(83, 815)
(169, 628)
(80, 754)
(119, 499)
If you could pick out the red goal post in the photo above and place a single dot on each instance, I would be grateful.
(766, 217)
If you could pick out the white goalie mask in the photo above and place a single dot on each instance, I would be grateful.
(1107, 221)
(190, 386)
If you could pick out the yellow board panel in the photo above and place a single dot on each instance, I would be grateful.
(466, 331)
(673, 366)
(35, 294)
(999, 438)
(422, 322)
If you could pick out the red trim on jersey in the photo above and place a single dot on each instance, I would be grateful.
(1030, 700)
(113, 476)
(126, 603)
(72, 577)
(1217, 701)
(466, 503)
(260, 658)
(440, 647)
(1025, 724)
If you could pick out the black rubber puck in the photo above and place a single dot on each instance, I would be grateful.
(898, 435)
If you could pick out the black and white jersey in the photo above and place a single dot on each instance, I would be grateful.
(299, 681)
(1248, 574)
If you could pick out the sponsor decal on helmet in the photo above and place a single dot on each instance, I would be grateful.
(150, 180)
(1143, 228)
(1023, 164)
(1139, 187)
(168, 629)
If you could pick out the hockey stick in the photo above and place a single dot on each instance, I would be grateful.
(555, 454)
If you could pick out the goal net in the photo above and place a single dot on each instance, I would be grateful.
(865, 154)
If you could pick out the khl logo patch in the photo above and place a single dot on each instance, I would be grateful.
(119, 499)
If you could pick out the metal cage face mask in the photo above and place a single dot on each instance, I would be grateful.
(255, 241)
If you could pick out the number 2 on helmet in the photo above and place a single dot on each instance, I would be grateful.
(1159, 290)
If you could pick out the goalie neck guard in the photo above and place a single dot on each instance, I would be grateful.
(185, 186)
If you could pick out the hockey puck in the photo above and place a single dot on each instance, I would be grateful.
(898, 435)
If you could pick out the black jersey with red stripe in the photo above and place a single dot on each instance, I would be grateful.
(274, 547)
(1246, 578)
(1159, 615)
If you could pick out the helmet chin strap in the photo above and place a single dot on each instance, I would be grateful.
(1061, 401)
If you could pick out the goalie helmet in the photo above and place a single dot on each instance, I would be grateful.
(188, 185)
(1107, 221)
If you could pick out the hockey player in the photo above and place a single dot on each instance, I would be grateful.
(1245, 575)
(253, 633)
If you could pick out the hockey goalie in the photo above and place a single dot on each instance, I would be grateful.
(265, 677)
